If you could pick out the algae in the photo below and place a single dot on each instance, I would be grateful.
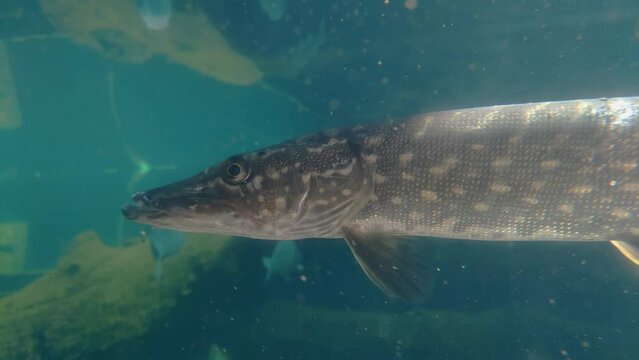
(13, 247)
(115, 29)
(102, 302)
(98, 298)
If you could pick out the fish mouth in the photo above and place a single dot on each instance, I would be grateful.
(142, 207)
(136, 212)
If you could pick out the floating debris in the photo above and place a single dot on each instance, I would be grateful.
(218, 353)
(274, 9)
(156, 14)
(285, 259)
(164, 243)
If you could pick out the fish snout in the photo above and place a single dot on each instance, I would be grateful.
(141, 199)
(129, 212)
(142, 204)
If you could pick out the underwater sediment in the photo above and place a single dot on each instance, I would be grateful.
(102, 302)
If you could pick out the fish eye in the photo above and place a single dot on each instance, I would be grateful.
(234, 170)
(236, 173)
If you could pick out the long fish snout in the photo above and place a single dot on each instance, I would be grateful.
(154, 202)
(129, 212)
(133, 211)
(142, 204)
(188, 204)
(141, 199)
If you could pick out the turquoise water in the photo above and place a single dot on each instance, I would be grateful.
(107, 107)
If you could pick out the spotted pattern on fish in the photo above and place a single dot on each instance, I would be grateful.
(542, 171)
(519, 172)
(545, 171)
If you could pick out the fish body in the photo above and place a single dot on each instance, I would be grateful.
(549, 171)
(564, 171)
(285, 260)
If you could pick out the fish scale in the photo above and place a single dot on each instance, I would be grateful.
(552, 171)
(474, 175)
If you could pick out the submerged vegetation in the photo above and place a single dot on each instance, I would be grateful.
(97, 102)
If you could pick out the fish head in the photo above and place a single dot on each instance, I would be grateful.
(298, 189)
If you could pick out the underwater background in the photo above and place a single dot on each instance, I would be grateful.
(99, 99)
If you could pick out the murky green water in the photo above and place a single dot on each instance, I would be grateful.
(97, 102)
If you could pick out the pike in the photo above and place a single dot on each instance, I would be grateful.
(550, 171)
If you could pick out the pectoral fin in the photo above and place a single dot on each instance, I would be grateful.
(630, 251)
(396, 265)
